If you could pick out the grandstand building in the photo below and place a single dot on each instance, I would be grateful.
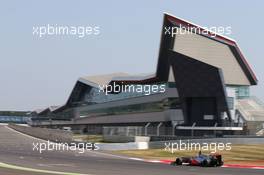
(203, 74)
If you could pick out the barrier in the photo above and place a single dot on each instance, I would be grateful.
(142, 142)
(54, 135)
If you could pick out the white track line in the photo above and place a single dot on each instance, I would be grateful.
(94, 152)
(9, 166)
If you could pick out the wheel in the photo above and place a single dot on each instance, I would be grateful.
(204, 163)
(178, 161)
(213, 163)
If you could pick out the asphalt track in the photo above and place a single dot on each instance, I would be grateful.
(18, 158)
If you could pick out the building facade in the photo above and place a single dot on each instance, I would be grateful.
(197, 81)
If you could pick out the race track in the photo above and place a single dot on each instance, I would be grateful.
(18, 158)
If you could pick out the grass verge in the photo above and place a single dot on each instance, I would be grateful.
(88, 138)
(239, 154)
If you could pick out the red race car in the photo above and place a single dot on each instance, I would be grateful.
(211, 160)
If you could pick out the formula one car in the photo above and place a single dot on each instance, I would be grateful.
(211, 160)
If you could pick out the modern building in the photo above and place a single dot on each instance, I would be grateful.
(19, 117)
(201, 74)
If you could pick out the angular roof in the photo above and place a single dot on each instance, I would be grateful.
(101, 79)
(120, 76)
(37, 111)
(163, 67)
(46, 110)
(137, 77)
(207, 46)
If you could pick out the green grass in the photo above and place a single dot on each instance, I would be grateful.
(240, 154)
(88, 138)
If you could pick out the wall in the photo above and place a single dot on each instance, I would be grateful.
(55, 135)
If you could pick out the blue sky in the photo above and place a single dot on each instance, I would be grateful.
(38, 72)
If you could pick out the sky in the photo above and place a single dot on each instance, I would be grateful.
(39, 72)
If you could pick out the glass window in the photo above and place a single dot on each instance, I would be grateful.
(242, 91)
(94, 95)
(171, 103)
(230, 102)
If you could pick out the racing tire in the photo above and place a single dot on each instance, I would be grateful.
(204, 163)
(178, 161)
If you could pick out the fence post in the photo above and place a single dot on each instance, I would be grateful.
(215, 129)
(146, 129)
(158, 128)
(193, 128)
(173, 128)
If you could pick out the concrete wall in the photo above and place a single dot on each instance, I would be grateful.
(233, 141)
(123, 146)
(54, 135)
(118, 139)
(123, 139)
(161, 144)
(142, 142)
